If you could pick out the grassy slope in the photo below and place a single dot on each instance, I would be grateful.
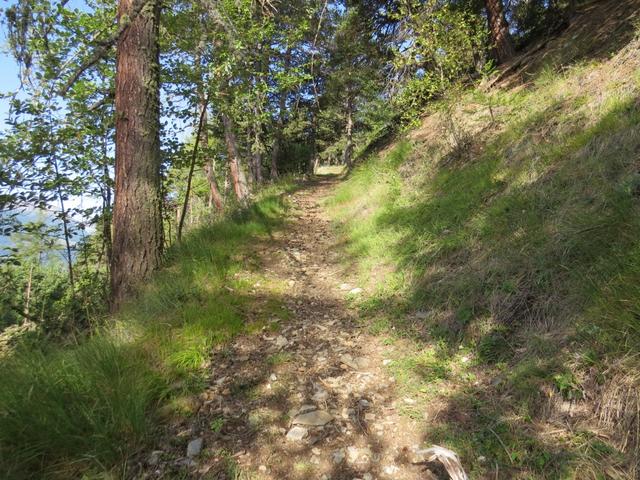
(499, 242)
(89, 408)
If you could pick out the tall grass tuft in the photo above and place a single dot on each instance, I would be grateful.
(74, 409)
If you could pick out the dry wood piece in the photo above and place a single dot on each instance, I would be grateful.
(448, 458)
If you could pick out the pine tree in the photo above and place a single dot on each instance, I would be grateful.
(137, 219)
(499, 28)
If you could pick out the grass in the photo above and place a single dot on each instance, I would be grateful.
(89, 408)
(521, 247)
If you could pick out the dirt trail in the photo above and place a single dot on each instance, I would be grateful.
(313, 400)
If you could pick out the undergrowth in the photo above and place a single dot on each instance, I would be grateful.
(69, 411)
(518, 245)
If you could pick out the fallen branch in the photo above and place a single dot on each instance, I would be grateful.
(448, 458)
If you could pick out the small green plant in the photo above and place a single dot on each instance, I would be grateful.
(280, 358)
(216, 424)
(494, 347)
(568, 386)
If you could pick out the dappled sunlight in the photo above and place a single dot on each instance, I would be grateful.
(517, 240)
(307, 394)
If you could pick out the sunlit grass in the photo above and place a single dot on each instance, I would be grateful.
(89, 407)
(522, 250)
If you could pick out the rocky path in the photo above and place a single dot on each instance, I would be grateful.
(312, 400)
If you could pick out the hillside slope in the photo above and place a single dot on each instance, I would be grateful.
(498, 243)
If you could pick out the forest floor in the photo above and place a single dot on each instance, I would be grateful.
(314, 399)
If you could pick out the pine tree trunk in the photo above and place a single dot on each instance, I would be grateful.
(237, 175)
(502, 41)
(137, 218)
(275, 154)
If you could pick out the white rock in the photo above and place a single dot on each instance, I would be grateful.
(391, 470)
(321, 395)
(154, 458)
(359, 457)
(194, 447)
(345, 286)
(347, 412)
(262, 468)
(316, 418)
(355, 291)
(386, 362)
(367, 476)
(337, 456)
(297, 434)
(281, 341)
(273, 377)
(355, 363)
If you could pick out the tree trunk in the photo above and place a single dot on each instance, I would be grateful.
(237, 175)
(106, 208)
(314, 144)
(215, 198)
(502, 41)
(28, 293)
(275, 153)
(137, 215)
(65, 223)
(348, 148)
(192, 166)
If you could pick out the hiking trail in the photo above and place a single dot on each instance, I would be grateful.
(314, 400)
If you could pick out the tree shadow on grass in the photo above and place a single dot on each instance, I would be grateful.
(507, 257)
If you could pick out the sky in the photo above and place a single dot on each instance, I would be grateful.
(9, 83)
(8, 70)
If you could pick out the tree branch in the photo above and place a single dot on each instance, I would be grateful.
(104, 46)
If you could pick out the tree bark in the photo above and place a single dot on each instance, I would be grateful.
(275, 154)
(137, 215)
(215, 198)
(237, 174)
(106, 208)
(499, 28)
